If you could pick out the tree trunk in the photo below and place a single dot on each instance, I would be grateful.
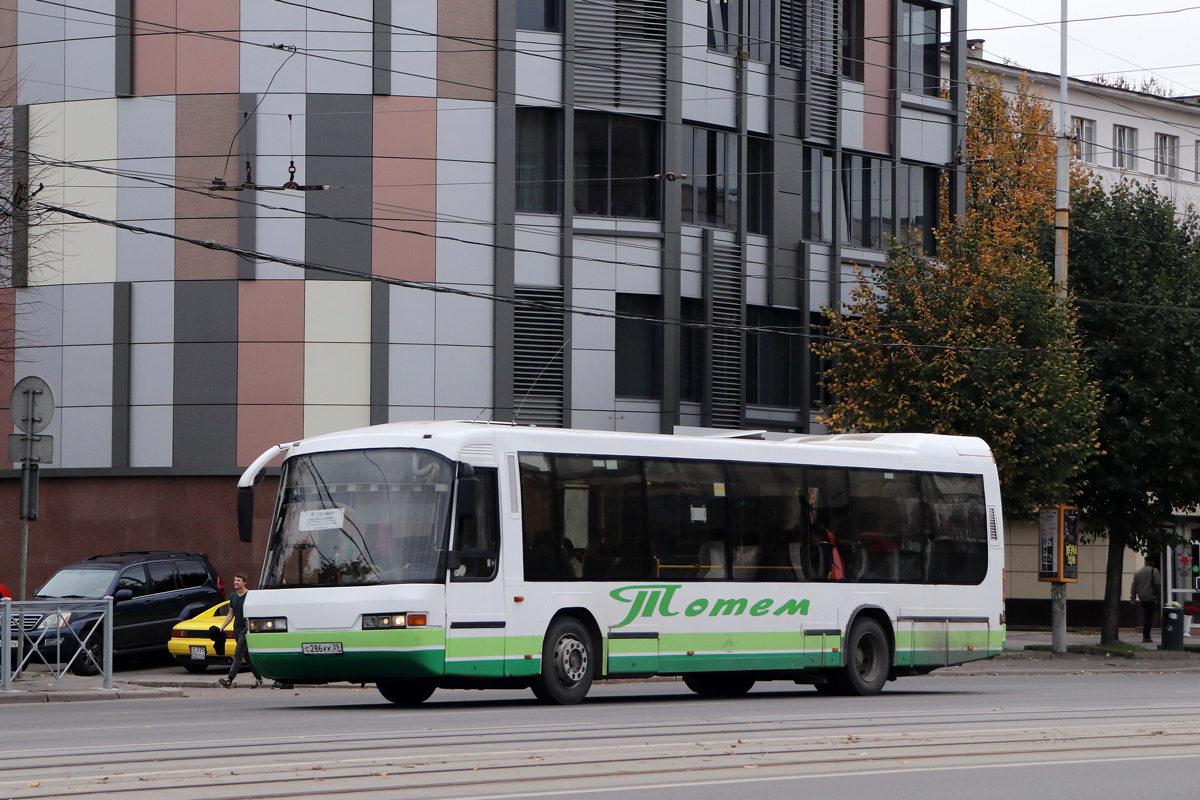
(1110, 619)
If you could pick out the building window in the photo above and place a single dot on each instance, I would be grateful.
(917, 204)
(1197, 151)
(758, 185)
(723, 27)
(758, 38)
(710, 192)
(1124, 147)
(853, 40)
(539, 15)
(867, 195)
(775, 357)
(817, 187)
(539, 160)
(616, 159)
(918, 54)
(1166, 155)
(638, 342)
(1085, 139)
(691, 350)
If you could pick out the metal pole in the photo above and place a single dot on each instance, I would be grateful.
(6, 653)
(1062, 219)
(1062, 194)
(24, 555)
(108, 641)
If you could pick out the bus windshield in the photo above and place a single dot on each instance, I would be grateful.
(358, 517)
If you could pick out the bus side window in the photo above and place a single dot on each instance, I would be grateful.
(955, 528)
(478, 543)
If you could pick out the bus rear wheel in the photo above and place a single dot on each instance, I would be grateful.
(405, 692)
(868, 660)
(719, 685)
(568, 665)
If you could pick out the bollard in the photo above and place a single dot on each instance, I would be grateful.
(6, 654)
(108, 641)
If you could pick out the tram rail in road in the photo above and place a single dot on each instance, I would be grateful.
(645, 738)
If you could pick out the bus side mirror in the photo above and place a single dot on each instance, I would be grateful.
(245, 513)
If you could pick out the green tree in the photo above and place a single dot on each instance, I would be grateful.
(1135, 270)
(973, 342)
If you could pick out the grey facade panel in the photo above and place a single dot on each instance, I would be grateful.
(204, 436)
(339, 137)
(380, 351)
(205, 373)
(122, 334)
(381, 47)
(206, 311)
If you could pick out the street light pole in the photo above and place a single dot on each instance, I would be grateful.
(1062, 217)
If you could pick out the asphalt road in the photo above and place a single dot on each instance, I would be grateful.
(1070, 735)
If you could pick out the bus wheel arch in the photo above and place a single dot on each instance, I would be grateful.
(571, 653)
(869, 651)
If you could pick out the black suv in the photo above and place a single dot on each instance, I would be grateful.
(151, 591)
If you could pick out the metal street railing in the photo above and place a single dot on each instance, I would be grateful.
(28, 624)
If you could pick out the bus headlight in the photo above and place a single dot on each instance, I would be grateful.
(267, 624)
(372, 622)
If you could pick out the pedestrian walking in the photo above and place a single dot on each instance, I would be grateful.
(237, 601)
(1145, 590)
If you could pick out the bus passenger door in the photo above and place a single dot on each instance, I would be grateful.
(475, 618)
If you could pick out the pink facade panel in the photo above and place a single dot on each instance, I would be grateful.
(154, 33)
(8, 41)
(405, 194)
(271, 311)
(208, 61)
(270, 365)
(466, 65)
(877, 76)
(205, 127)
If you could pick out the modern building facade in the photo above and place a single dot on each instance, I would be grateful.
(252, 221)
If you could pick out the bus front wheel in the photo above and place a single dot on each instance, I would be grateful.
(405, 692)
(868, 660)
(568, 665)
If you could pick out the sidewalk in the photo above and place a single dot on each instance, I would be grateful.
(1027, 652)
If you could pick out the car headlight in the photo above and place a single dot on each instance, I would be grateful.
(267, 624)
(56, 620)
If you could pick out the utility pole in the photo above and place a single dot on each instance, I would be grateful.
(1062, 217)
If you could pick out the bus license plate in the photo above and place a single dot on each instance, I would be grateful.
(321, 648)
(199, 652)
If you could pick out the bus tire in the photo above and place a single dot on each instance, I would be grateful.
(406, 692)
(719, 685)
(868, 660)
(568, 663)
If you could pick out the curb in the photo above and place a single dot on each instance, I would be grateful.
(1099, 650)
(124, 692)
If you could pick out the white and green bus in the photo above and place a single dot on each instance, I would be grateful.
(481, 555)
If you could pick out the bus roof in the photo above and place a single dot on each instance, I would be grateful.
(478, 442)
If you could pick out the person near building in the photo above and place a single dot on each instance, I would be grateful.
(1146, 586)
(237, 602)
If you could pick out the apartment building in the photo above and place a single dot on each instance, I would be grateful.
(1121, 134)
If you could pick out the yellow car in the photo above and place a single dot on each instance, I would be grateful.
(193, 647)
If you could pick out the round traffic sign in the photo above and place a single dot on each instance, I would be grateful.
(31, 404)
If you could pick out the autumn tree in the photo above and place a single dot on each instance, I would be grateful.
(973, 341)
(1135, 271)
